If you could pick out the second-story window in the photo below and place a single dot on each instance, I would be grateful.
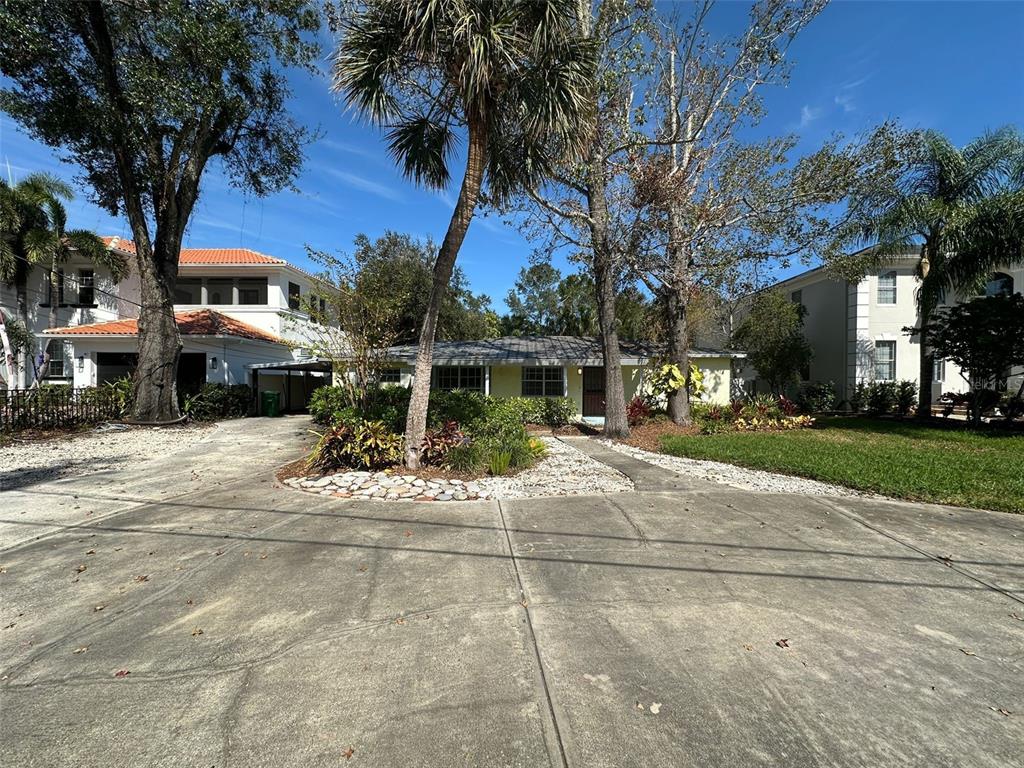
(294, 296)
(188, 290)
(86, 287)
(252, 290)
(219, 290)
(887, 288)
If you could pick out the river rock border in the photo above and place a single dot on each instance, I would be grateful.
(565, 471)
(387, 486)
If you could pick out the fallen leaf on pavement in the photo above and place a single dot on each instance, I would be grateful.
(968, 653)
(783, 643)
(99, 607)
(407, 534)
(1016, 616)
(399, 620)
(81, 649)
(655, 707)
(81, 568)
(91, 552)
(639, 705)
(1001, 711)
(122, 673)
(141, 579)
(748, 647)
(347, 754)
(197, 632)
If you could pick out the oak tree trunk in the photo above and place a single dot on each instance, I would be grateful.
(676, 302)
(419, 401)
(155, 390)
(616, 425)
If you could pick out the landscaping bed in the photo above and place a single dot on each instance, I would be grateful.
(564, 471)
(890, 457)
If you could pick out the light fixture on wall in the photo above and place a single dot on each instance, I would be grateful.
(579, 371)
(81, 362)
(213, 363)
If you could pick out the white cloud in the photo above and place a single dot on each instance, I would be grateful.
(845, 100)
(365, 185)
(808, 115)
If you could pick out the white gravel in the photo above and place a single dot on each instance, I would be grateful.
(565, 471)
(95, 450)
(729, 474)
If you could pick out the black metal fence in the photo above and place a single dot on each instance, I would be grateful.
(52, 407)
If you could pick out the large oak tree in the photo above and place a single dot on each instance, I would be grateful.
(142, 96)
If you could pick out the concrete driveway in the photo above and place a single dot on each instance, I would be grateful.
(230, 622)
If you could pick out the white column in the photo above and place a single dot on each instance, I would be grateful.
(487, 379)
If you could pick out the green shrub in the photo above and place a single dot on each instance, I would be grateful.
(358, 445)
(325, 403)
(464, 458)
(881, 397)
(816, 396)
(763, 406)
(214, 402)
(459, 405)
(859, 398)
(906, 396)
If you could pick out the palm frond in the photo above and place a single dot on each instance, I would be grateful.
(422, 147)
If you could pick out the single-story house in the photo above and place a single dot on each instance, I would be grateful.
(554, 366)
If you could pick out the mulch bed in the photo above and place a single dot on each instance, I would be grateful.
(647, 436)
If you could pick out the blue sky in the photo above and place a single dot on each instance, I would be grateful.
(953, 66)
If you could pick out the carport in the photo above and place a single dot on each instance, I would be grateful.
(294, 381)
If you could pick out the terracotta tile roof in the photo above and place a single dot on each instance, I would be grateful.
(225, 256)
(201, 322)
(204, 255)
(119, 243)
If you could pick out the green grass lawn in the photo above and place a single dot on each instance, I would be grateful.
(947, 466)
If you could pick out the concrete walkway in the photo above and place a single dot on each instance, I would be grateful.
(244, 624)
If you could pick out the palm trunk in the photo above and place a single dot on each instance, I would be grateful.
(419, 401)
(26, 355)
(677, 300)
(5, 344)
(50, 323)
(927, 361)
(155, 390)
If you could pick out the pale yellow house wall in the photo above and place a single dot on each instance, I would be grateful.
(506, 381)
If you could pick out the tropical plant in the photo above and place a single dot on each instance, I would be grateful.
(984, 337)
(142, 97)
(961, 210)
(638, 410)
(498, 462)
(512, 75)
(665, 379)
(438, 442)
(33, 232)
(359, 445)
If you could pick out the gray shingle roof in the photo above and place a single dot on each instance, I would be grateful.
(539, 350)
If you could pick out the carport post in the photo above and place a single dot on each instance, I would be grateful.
(256, 392)
(288, 389)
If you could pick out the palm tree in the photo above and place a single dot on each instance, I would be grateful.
(33, 231)
(963, 211)
(511, 75)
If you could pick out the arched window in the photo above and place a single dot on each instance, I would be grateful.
(999, 284)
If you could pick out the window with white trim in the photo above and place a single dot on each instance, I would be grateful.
(56, 368)
(885, 361)
(543, 381)
(458, 377)
(86, 287)
(390, 376)
(939, 369)
(887, 288)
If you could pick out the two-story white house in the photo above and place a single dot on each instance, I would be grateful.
(240, 315)
(856, 327)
